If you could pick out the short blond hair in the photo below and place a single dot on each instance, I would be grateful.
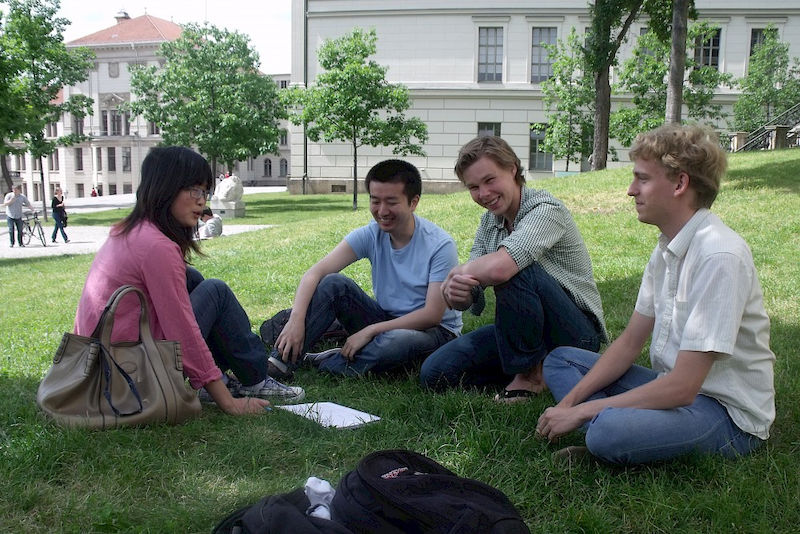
(694, 150)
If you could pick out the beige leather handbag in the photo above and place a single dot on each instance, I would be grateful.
(96, 384)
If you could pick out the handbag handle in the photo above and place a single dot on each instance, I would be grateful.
(106, 322)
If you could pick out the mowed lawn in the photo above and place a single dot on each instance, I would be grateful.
(186, 478)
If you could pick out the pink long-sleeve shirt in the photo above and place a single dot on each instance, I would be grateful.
(149, 260)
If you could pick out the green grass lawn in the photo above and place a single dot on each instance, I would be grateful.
(184, 479)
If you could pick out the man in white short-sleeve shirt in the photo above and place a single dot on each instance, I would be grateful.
(406, 320)
(710, 389)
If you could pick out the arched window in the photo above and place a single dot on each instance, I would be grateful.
(268, 168)
(284, 167)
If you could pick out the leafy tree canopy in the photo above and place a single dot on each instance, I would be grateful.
(351, 101)
(771, 86)
(644, 75)
(36, 66)
(210, 94)
(569, 98)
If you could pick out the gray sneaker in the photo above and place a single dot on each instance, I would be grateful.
(271, 389)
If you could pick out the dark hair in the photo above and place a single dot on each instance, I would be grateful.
(396, 171)
(166, 171)
(494, 148)
(207, 211)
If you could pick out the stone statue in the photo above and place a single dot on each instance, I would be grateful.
(227, 199)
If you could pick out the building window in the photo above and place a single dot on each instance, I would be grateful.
(284, 167)
(488, 128)
(99, 160)
(113, 70)
(51, 129)
(284, 84)
(284, 138)
(20, 160)
(153, 129)
(112, 159)
(80, 190)
(490, 54)
(706, 53)
(126, 159)
(757, 36)
(116, 123)
(541, 64)
(539, 159)
(268, 168)
(112, 189)
(77, 125)
(250, 164)
(104, 122)
(34, 163)
(78, 159)
(52, 161)
(127, 188)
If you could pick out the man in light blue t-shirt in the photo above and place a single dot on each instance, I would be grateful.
(407, 319)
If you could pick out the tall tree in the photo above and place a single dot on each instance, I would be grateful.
(771, 85)
(352, 101)
(677, 61)
(210, 94)
(40, 66)
(643, 76)
(611, 20)
(569, 98)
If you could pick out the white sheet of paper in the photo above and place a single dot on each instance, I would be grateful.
(331, 414)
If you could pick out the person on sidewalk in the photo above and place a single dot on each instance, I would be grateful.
(14, 201)
(410, 258)
(529, 249)
(710, 389)
(149, 249)
(59, 215)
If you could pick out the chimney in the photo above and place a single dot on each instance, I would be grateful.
(122, 16)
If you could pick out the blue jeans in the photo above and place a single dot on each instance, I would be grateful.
(533, 316)
(338, 297)
(59, 225)
(226, 328)
(12, 224)
(635, 435)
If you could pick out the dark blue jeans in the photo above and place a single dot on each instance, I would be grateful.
(533, 316)
(12, 224)
(339, 297)
(59, 225)
(226, 328)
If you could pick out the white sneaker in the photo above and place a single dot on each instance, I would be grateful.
(315, 358)
(271, 389)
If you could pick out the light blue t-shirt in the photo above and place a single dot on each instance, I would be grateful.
(400, 277)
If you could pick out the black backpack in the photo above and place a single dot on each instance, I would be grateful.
(390, 492)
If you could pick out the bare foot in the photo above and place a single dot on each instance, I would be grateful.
(532, 380)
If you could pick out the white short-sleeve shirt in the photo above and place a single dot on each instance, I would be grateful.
(703, 291)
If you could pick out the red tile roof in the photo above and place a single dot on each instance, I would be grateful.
(141, 29)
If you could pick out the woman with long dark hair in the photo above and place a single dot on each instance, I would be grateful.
(59, 214)
(149, 249)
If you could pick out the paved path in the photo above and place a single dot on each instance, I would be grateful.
(87, 239)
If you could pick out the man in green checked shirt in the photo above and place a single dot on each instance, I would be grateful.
(529, 249)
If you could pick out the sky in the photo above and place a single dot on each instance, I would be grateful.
(266, 22)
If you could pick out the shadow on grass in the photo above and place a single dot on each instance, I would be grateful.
(779, 172)
(313, 204)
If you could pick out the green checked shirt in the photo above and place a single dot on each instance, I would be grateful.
(545, 232)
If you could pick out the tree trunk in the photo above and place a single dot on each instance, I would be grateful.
(677, 61)
(355, 177)
(41, 176)
(6, 174)
(602, 115)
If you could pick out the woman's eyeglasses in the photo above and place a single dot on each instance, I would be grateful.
(198, 192)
